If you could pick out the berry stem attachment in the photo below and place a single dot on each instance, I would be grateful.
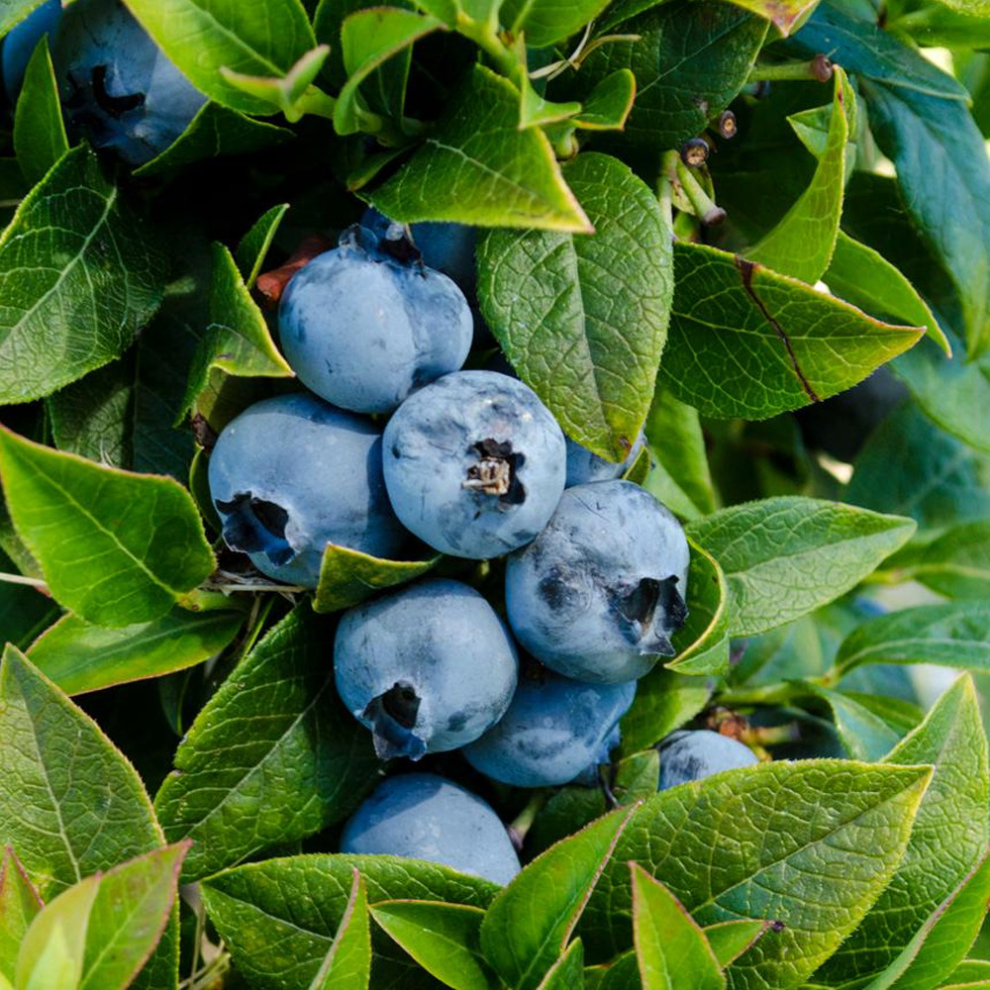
(522, 823)
(819, 69)
(702, 204)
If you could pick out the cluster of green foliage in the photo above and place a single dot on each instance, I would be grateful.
(142, 660)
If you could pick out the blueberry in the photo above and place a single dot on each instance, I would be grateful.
(20, 43)
(599, 593)
(687, 756)
(474, 464)
(363, 328)
(555, 729)
(291, 474)
(447, 247)
(118, 87)
(584, 467)
(427, 668)
(422, 816)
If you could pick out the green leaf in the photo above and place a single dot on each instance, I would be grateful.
(368, 39)
(347, 965)
(919, 118)
(671, 948)
(664, 702)
(949, 390)
(944, 938)
(953, 635)
(39, 131)
(443, 938)
(584, 319)
(292, 93)
(529, 924)
(955, 564)
(237, 341)
(730, 939)
(281, 915)
(865, 278)
(690, 62)
(255, 244)
(933, 26)
(909, 467)
(12, 12)
(621, 974)
(68, 810)
(864, 735)
(305, 764)
(202, 37)
(79, 657)
(815, 862)
(801, 244)
(783, 14)
(748, 342)
(567, 972)
(215, 132)
(477, 167)
(608, 105)
(121, 415)
(785, 557)
(19, 904)
(636, 777)
(567, 810)
(681, 478)
(348, 576)
(546, 22)
(53, 949)
(116, 548)
(703, 642)
(79, 277)
(949, 836)
(25, 611)
(132, 907)
(971, 973)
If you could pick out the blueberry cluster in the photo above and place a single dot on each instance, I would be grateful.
(475, 466)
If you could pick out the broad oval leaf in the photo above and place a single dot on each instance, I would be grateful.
(909, 467)
(802, 242)
(529, 924)
(305, 764)
(690, 61)
(863, 734)
(19, 905)
(730, 939)
(347, 965)
(949, 837)
(665, 700)
(955, 564)
(69, 811)
(115, 547)
(477, 167)
(53, 949)
(12, 12)
(703, 642)
(81, 657)
(255, 244)
(545, 22)
(132, 908)
(443, 938)
(784, 557)
(204, 36)
(79, 276)
(567, 972)
(215, 132)
(281, 915)
(746, 341)
(584, 319)
(39, 131)
(954, 635)
(348, 576)
(671, 949)
(815, 862)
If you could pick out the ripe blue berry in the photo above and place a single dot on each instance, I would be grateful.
(474, 464)
(687, 756)
(599, 593)
(422, 816)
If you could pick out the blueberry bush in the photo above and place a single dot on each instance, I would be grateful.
(496, 494)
